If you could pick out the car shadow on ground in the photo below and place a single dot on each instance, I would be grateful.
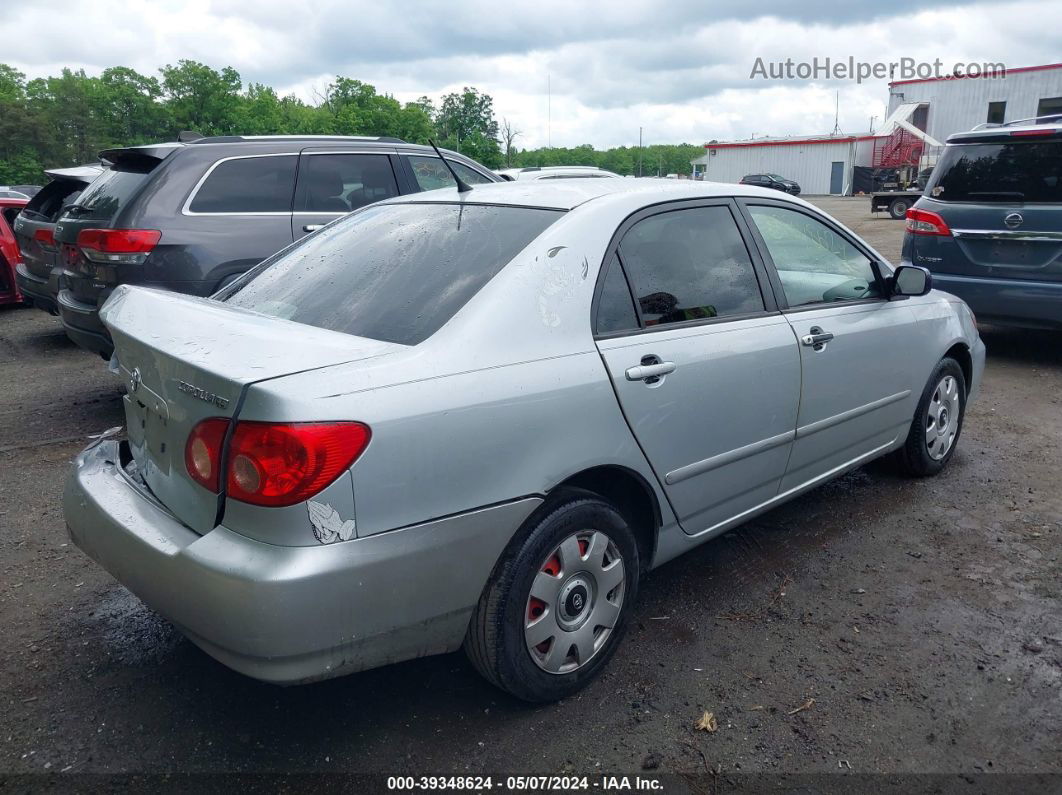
(1021, 346)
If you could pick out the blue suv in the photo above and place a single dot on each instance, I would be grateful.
(989, 225)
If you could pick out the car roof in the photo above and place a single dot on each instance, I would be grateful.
(1042, 125)
(564, 194)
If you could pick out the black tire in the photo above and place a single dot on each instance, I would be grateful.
(495, 641)
(898, 208)
(914, 457)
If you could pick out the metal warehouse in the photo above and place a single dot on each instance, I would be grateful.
(821, 164)
(921, 115)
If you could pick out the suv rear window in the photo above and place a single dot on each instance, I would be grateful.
(45, 206)
(101, 200)
(392, 272)
(999, 172)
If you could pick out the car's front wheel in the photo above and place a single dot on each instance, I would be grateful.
(555, 608)
(937, 423)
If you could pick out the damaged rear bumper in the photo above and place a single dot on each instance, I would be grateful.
(289, 614)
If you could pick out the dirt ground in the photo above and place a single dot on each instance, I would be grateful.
(876, 625)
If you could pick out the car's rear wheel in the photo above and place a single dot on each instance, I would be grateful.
(937, 423)
(555, 608)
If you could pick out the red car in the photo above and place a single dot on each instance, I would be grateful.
(9, 255)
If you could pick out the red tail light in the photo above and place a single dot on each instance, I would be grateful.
(46, 238)
(202, 452)
(1026, 133)
(924, 222)
(274, 464)
(118, 245)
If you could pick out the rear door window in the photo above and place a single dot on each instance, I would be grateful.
(999, 172)
(243, 185)
(102, 199)
(392, 272)
(690, 264)
(339, 183)
(431, 174)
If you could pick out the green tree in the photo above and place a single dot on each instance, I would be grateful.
(202, 99)
(128, 105)
(466, 123)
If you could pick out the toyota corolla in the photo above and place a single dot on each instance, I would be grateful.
(479, 418)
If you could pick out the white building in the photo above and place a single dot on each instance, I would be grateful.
(820, 164)
(921, 115)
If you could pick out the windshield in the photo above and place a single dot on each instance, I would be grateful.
(999, 172)
(393, 272)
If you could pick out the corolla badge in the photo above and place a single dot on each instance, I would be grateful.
(202, 394)
(1013, 220)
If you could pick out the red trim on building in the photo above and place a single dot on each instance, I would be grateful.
(1015, 70)
(847, 139)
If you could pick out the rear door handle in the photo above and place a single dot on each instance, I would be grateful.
(649, 372)
(312, 227)
(817, 338)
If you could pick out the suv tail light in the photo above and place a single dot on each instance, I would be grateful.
(273, 464)
(924, 222)
(45, 238)
(118, 246)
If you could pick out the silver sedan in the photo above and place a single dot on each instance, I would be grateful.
(479, 419)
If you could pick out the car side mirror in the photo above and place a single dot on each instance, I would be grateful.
(911, 280)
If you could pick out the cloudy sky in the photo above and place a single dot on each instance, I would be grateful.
(678, 68)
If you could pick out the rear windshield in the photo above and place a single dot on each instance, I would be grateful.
(45, 206)
(393, 272)
(1003, 172)
(101, 200)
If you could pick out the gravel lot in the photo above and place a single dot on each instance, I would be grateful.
(919, 624)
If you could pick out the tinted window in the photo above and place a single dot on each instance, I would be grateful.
(1030, 172)
(615, 307)
(51, 198)
(393, 272)
(108, 192)
(814, 263)
(248, 185)
(432, 174)
(341, 183)
(690, 265)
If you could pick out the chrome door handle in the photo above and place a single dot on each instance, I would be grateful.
(644, 372)
(312, 227)
(817, 338)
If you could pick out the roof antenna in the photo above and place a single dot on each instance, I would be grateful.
(462, 186)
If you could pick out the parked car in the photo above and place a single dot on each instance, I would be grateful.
(38, 274)
(192, 216)
(989, 225)
(772, 181)
(554, 172)
(9, 253)
(13, 194)
(479, 418)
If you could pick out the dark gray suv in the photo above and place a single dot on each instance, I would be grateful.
(192, 216)
(989, 225)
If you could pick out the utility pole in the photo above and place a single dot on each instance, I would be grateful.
(549, 111)
(639, 151)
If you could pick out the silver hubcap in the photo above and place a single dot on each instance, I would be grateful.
(575, 601)
(942, 418)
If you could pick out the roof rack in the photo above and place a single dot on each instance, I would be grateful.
(228, 139)
(1046, 119)
(548, 168)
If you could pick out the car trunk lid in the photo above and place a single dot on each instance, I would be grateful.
(185, 359)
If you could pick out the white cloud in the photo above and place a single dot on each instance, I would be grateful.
(679, 69)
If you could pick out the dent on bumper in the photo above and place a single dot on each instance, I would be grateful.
(290, 614)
